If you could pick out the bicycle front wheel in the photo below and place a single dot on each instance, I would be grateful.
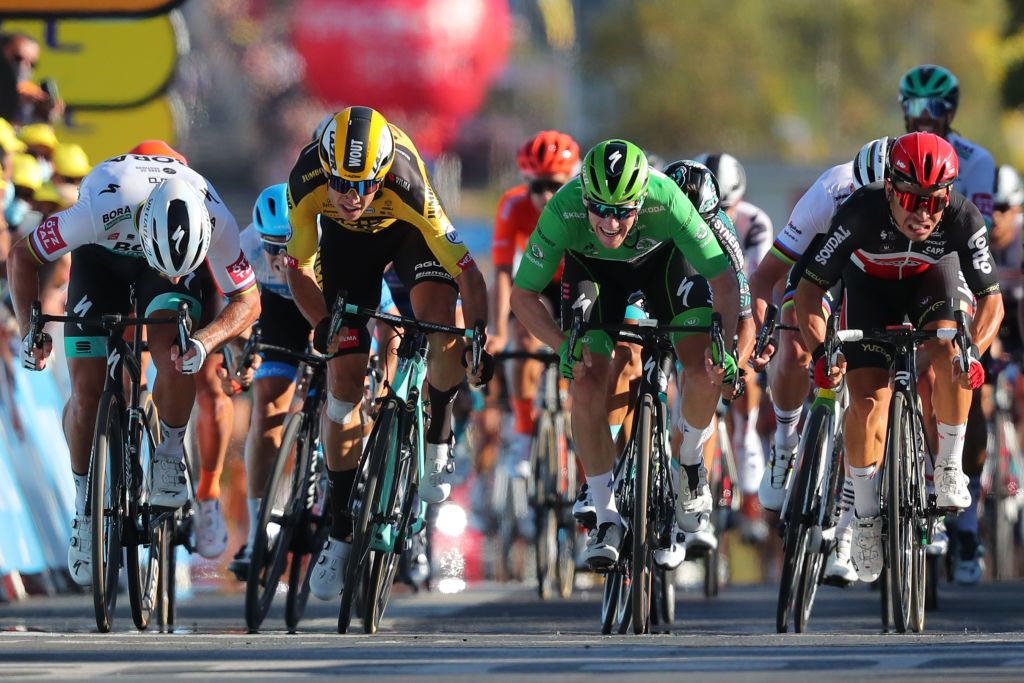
(274, 531)
(643, 557)
(544, 493)
(899, 521)
(143, 565)
(107, 489)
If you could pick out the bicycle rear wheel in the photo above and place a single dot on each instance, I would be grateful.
(919, 535)
(363, 503)
(276, 524)
(643, 556)
(165, 590)
(1004, 551)
(108, 497)
(613, 589)
(899, 530)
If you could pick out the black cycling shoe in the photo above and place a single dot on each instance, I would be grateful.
(583, 509)
(239, 565)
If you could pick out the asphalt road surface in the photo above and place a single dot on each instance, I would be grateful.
(502, 632)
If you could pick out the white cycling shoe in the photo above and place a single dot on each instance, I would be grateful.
(772, 491)
(839, 569)
(951, 488)
(693, 502)
(583, 509)
(602, 549)
(328, 576)
(701, 541)
(866, 547)
(80, 550)
(672, 556)
(168, 487)
(438, 484)
(211, 529)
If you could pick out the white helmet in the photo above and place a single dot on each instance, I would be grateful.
(322, 126)
(732, 179)
(174, 228)
(869, 164)
(1009, 191)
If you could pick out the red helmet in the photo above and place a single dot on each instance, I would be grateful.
(924, 160)
(549, 152)
(157, 148)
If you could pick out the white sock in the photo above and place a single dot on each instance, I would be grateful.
(172, 439)
(253, 504)
(951, 445)
(604, 498)
(691, 450)
(865, 490)
(786, 422)
(846, 505)
(81, 486)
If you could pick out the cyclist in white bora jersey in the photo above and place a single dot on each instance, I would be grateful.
(929, 96)
(754, 231)
(787, 378)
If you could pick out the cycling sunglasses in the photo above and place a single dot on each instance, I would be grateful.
(542, 185)
(605, 210)
(362, 187)
(917, 106)
(912, 201)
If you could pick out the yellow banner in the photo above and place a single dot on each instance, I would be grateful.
(109, 132)
(106, 62)
(85, 8)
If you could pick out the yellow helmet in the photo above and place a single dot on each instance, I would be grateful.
(357, 145)
(26, 172)
(71, 161)
(9, 139)
(47, 192)
(38, 134)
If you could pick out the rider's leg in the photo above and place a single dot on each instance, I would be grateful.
(626, 370)
(272, 399)
(525, 382)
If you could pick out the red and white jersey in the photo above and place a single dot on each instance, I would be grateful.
(105, 214)
(977, 176)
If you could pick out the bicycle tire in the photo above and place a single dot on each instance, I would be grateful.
(270, 555)
(364, 493)
(565, 567)
(933, 569)
(919, 538)
(165, 582)
(144, 576)
(106, 463)
(819, 508)
(796, 532)
(610, 600)
(1003, 536)
(315, 529)
(898, 536)
(643, 556)
(544, 488)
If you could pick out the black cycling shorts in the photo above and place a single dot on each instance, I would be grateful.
(661, 275)
(281, 324)
(873, 303)
(100, 283)
(355, 261)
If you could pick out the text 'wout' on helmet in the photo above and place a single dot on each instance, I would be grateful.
(357, 145)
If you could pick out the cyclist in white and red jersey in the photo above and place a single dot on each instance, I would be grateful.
(798, 241)
(151, 222)
(754, 231)
(889, 242)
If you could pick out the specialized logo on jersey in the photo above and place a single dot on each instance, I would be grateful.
(48, 236)
(111, 189)
(830, 245)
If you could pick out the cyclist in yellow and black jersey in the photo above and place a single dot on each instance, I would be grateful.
(360, 197)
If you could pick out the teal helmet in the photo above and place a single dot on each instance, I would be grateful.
(270, 213)
(929, 82)
(615, 172)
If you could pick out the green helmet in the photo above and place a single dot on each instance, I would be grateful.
(615, 172)
(929, 81)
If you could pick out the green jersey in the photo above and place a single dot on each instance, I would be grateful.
(667, 216)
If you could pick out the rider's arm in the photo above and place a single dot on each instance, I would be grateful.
(541, 257)
(981, 275)
(302, 248)
(234, 277)
(772, 270)
(809, 315)
(502, 256)
(23, 275)
(823, 270)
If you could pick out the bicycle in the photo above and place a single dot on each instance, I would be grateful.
(644, 491)
(117, 498)
(552, 486)
(384, 505)
(294, 516)
(907, 510)
(1003, 473)
(811, 507)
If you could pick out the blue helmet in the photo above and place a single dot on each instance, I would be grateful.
(270, 214)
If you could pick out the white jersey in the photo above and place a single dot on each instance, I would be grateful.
(754, 232)
(1009, 262)
(977, 176)
(268, 268)
(813, 213)
(105, 214)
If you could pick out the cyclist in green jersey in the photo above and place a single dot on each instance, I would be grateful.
(623, 228)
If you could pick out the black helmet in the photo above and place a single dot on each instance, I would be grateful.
(698, 183)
